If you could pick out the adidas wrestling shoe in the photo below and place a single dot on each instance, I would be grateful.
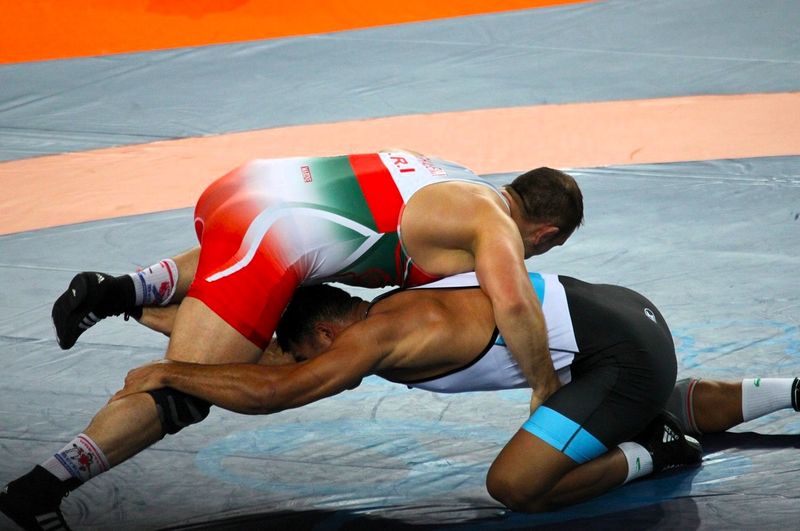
(33, 501)
(90, 298)
(668, 445)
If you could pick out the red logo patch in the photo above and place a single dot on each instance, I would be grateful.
(306, 171)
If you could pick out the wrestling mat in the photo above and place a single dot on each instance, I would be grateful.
(678, 118)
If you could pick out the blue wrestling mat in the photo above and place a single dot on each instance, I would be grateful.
(714, 243)
(386, 456)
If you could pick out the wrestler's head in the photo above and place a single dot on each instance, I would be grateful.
(547, 206)
(313, 319)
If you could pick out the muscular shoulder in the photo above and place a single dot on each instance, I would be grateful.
(407, 318)
(454, 210)
(461, 192)
(442, 225)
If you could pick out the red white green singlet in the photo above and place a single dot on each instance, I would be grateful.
(271, 225)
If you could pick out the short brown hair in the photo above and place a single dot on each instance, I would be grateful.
(550, 196)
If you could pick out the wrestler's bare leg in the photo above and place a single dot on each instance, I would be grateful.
(717, 405)
(187, 267)
(530, 475)
(162, 319)
(159, 318)
(129, 425)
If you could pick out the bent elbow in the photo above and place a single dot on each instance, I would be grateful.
(516, 305)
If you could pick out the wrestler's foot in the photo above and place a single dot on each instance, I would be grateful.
(90, 297)
(33, 501)
(668, 445)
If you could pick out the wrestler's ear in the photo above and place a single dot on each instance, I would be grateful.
(324, 332)
(545, 233)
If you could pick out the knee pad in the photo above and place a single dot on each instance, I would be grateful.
(177, 409)
(681, 404)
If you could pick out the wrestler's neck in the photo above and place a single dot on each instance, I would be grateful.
(514, 206)
(360, 310)
(532, 232)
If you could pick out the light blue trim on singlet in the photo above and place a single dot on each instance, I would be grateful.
(563, 434)
(538, 286)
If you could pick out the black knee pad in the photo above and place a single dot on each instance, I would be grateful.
(681, 404)
(177, 409)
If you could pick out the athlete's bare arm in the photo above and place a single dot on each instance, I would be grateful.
(500, 268)
(358, 351)
(454, 227)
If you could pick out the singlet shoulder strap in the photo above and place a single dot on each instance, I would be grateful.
(381, 297)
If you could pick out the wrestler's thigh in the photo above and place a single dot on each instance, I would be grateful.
(527, 467)
(201, 336)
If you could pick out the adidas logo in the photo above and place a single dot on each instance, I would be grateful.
(100, 278)
(89, 321)
(669, 435)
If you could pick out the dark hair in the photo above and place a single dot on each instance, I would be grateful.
(550, 196)
(309, 305)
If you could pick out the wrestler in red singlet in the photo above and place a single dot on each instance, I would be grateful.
(271, 225)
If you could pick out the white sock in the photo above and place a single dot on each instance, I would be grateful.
(81, 459)
(640, 462)
(155, 285)
(761, 396)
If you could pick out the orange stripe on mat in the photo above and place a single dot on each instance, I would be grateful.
(34, 30)
(61, 189)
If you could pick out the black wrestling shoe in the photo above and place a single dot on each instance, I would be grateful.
(90, 298)
(33, 501)
(668, 445)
